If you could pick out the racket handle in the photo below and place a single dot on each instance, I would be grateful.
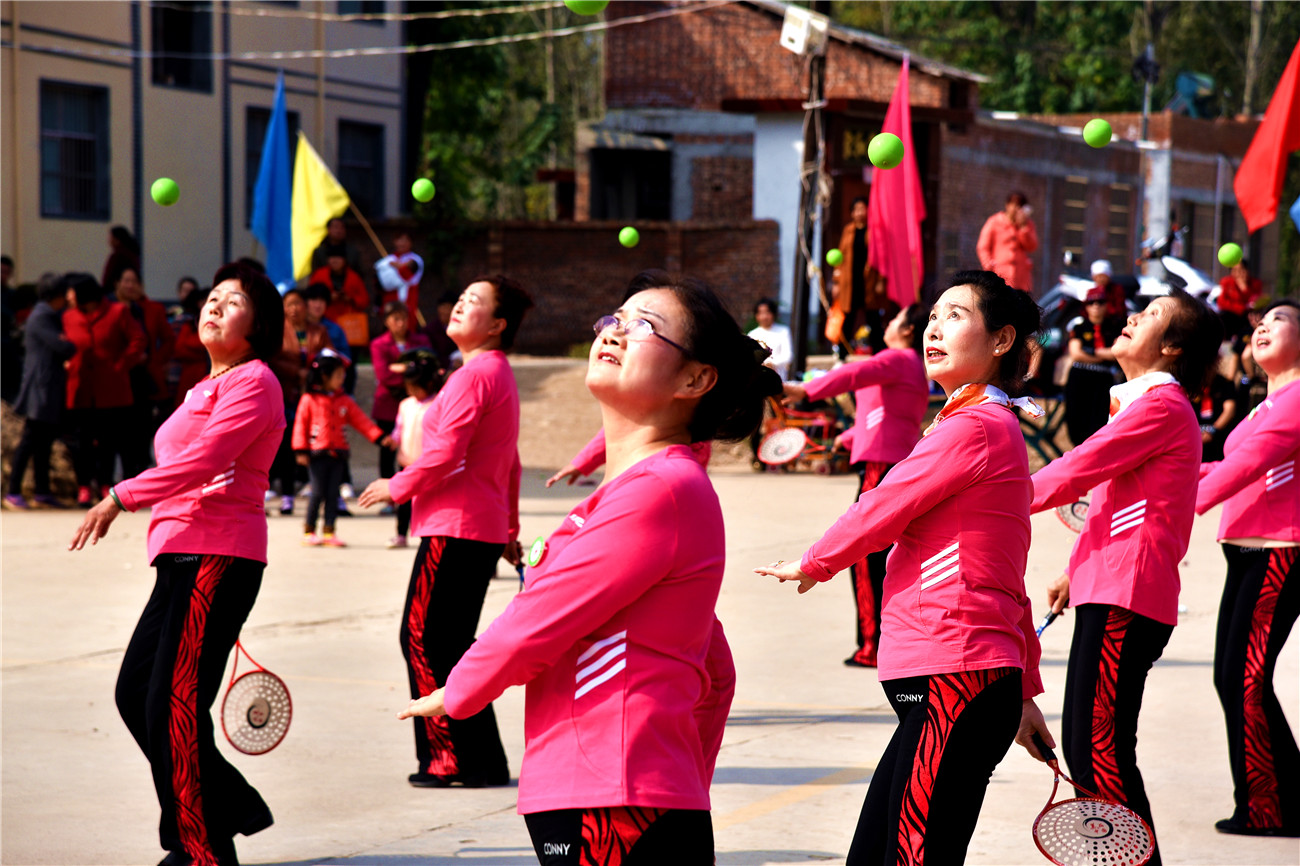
(1044, 749)
(519, 567)
(1047, 620)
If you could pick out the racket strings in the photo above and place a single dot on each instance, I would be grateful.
(1090, 831)
(256, 712)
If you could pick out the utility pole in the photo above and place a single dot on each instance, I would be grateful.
(809, 179)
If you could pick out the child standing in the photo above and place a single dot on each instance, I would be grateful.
(423, 378)
(320, 444)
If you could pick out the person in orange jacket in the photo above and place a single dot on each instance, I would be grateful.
(149, 406)
(348, 293)
(1006, 240)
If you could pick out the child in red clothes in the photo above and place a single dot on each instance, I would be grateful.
(320, 444)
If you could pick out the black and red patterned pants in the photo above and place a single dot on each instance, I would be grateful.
(1261, 600)
(926, 793)
(1112, 651)
(171, 673)
(449, 581)
(868, 577)
(622, 836)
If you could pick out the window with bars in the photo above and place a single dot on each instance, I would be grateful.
(182, 45)
(256, 120)
(74, 151)
(1119, 220)
(1074, 215)
(362, 7)
(361, 165)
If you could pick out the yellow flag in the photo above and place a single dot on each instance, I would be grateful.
(317, 198)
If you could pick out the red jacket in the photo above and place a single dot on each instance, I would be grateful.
(109, 343)
(160, 346)
(353, 298)
(319, 424)
(1234, 299)
(192, 356)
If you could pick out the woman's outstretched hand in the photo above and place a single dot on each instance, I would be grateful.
(376, 494)
(569, 473)
(429, 705)
(96, 524)
(784, 571)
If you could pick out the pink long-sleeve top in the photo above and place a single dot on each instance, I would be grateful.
(465, 484)
(892, 396)
(1141, 468)
(214, 455)
(321, 421)
(957, 511)
(615, 636)
(1256, 480)
(592, 455)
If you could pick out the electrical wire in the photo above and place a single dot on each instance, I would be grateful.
(240, 9)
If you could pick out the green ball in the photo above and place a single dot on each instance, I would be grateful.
(834, 258)
(422, 189)
(1230, 255)
(165, 191)
(1096, 132)
(885, 150)
(629, 237)
(586, 7)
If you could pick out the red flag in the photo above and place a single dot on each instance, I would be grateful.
(1258, 184)
(896, 207)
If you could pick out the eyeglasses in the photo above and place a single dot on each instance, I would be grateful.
(635, 329)
(1094, 302)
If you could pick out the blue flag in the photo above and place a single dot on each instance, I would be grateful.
(1295, 214)
(273, 196)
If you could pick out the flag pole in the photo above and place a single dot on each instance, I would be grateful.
(366, 225)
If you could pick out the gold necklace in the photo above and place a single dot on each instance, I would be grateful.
(231, 367)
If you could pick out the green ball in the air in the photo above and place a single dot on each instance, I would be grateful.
(885, 150)
(422, 189)
(1096, 132)
(586, 7)
(1230, 255)
(165, 191)
(629, 237)
(834, 258)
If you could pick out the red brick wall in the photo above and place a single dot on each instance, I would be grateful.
(698, 59)
(576, 272)
(722, 188)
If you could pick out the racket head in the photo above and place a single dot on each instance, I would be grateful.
(1074, 514)
(1086, 831)
(256, 712)
(782, 446)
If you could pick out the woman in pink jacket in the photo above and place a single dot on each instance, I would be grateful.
(1123, 574)
(628, 679)
(464, 489)
(958, 654)
(1260, 533)
(207, 538)
(892, 395)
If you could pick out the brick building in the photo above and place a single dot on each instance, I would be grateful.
(705, 122)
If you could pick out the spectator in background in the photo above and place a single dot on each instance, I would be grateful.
(125, 252)
(1217, 413)
(11, 350)
(399, 276)
(390, 387)
(184, 286)
(318, 298)
(859, 292)
(109, 345)
(773, 335)
(1238, 292)
(336, 237)
(436, 331)
(303, 341)
(1006, 240)
(1093, 369)
(190, 356)
(348, 293)
(42, 393)
(150, 404)
(1102, 278)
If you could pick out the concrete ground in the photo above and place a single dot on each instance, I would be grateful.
(803, 736)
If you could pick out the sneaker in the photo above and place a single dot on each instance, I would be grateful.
(311, 539)
(83, 497)
(343, 508)
(397, 541)
(14, 502)
(268, 496)
(346, 492)
(329, 539)
(286, 505)
(47, 500)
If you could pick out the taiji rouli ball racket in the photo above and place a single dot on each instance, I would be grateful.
(1089, 831)
(1074, 514)
(782, 446)
(1047, 620)
(256, 711)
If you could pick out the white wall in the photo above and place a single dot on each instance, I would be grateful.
(778, 152)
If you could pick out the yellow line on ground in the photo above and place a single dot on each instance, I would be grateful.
(789, 796)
